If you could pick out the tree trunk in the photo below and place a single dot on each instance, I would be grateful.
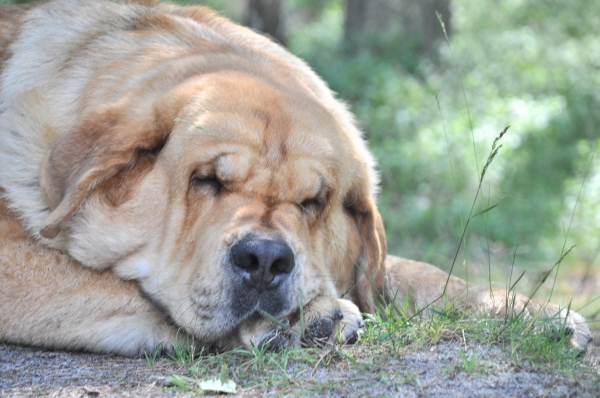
(365, 17)
(415, 20)
(355, 20)
(267, 16)
(420, 22)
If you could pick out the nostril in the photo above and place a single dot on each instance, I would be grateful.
(245, 260)
(284, 264)
(277, 267)
(263, 262)
(253, 263)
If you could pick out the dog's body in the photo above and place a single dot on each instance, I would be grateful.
(169, 173)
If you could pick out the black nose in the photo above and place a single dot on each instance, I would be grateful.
(264, 263)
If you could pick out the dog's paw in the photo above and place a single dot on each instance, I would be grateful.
(330, 321)
(570, 325)
(279, 337)
(351, 324)
(549, 317)
(323, 321)
(263, 332)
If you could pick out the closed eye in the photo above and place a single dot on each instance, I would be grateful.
(312, 204)
(209, 183)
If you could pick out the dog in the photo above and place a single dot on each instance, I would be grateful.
(167, 174)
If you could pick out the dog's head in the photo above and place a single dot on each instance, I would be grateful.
(225, 195)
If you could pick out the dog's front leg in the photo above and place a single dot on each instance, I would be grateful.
(48, 300)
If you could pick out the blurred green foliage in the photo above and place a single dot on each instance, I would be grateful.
(532, 65)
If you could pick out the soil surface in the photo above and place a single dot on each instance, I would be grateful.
(432, 371)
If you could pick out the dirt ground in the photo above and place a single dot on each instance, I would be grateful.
(433, 371)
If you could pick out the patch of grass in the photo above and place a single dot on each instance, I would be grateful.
(184, 351)
(393, 351)
(249, 368)
(409, 378)
(547, 351)
(151, 358)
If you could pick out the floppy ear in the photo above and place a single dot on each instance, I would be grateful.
(369, 267)
(103, 142)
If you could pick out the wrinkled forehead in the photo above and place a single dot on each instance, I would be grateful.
(251, 131)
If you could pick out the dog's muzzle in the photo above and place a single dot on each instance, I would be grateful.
(263, 270)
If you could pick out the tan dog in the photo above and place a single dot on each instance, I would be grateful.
(169, 173)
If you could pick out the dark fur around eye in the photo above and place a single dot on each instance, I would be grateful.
(210, 183)
(312, 204)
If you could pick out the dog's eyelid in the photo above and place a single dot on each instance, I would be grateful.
(204, 173)
(316, 203)
(152, 151)
(208, 181)
(319, 201)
